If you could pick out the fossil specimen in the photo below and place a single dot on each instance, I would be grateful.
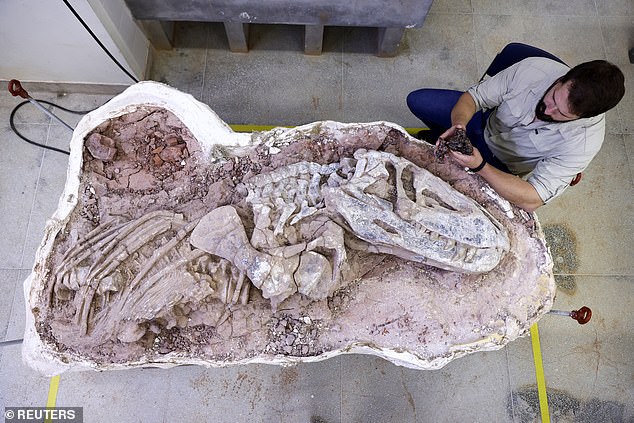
(415, 215)
(427, 222)
(168, 217)
(457, 142)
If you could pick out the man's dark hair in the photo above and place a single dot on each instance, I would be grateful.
(595, 87)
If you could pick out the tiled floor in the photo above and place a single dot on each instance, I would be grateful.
(589, 370)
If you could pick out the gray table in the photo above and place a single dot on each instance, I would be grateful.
(391, 17)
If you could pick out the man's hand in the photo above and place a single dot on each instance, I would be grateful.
(450, 132)
(471, 161)
(511, 187)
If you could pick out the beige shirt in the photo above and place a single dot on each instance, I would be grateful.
(549, 154)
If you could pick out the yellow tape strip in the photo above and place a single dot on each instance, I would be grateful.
(255, 128)
(52, 392)
(259, 128)
(414, 131)
(52, 395)
(539, 373)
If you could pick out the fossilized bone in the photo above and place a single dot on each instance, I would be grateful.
(420, 317)
(427, 221)
(108, 248)
(297, 244)
(283, 197)
(278, 275)
(222, 233)
(100, 266)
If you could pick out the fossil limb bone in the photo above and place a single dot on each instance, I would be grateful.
(273, 275)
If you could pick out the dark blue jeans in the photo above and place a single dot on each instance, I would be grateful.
(433, 107)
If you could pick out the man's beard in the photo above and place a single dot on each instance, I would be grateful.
(539, 112)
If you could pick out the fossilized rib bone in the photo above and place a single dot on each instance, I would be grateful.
(113, 274)
(415, 215)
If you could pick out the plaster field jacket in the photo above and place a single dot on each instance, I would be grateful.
(549, 155)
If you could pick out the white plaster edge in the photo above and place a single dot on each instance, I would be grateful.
(209, 130)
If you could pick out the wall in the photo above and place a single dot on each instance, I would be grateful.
(41, 40)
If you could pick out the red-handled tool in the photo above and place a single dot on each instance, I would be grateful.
(583, 315)
(16, 89)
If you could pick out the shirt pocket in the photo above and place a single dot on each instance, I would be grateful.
(545, 140)
(513, 111)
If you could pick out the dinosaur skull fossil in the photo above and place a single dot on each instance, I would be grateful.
(399, 208)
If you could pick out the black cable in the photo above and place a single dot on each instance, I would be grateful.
(48, 147)
(99, 42)
(11, 342)
(16, 108)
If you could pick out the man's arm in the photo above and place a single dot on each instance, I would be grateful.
(510, 187)
(461, 113)
(514, 189)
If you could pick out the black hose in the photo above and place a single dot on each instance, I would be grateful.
(48, 147)
(99, 41)
(13, 112)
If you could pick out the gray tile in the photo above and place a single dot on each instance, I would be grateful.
(617, 33)
(28, 113)
(20, 386)
(258, 393)
(197, 393)
(598, 212)
(624, 111)
(493, 32)
(615, 7)
(59, 137)
(378, 96)
(17, 320)
(180, 68)
(472, 388)
(374, 390)
(289, 89)
(128, 395)
(629, 150)
(535, 8)
(450, 6)
(77, 102)
(184, 66)
(304, 393)
(49, 189)
(438, 54)
(19, 172)
(433, 56)
(587, 368)
(9, 280)
(613, 120)
(618, 40)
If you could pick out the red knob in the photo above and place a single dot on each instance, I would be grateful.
(583, 315)
(15, 88)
